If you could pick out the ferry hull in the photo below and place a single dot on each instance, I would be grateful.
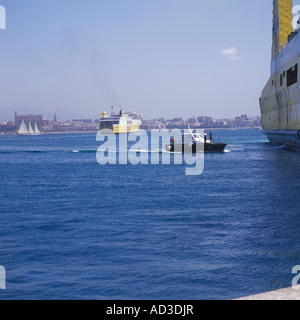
(289, 138)
(206, 147)
(280, 98)
(126, 128)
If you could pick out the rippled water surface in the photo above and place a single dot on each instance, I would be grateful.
(74, 229)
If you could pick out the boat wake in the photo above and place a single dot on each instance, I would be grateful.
(85, 151)
(281, 147)
(23, 151)
(234, 148)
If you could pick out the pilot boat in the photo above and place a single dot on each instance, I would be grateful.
(195, 142)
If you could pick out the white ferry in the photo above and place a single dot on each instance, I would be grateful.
(121, 122)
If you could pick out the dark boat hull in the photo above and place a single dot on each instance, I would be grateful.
(208, 147)
(286, 138)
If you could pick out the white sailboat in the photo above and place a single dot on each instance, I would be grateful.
(30, 130)
(23, 128)
(27, 128)
(36, 129)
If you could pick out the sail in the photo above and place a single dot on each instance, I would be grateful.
(36, 129)
(23, 128)
(30, 130)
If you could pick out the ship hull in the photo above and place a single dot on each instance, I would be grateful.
(117, 129)
(280, 99)
(187, 148)
(126, 128)
(288, 138)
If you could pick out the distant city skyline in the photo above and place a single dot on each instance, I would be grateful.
(66, 115)
(18, 117)
(171, 58)
(52, 116)
(36, 124)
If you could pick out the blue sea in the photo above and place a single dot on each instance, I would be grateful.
(74, 229)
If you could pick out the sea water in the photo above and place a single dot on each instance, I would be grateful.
(74, 229)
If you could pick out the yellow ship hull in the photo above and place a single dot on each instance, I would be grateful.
(126, 128)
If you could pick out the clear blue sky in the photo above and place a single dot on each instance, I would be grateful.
(163, 58)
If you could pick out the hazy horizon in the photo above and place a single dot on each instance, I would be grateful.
(171, 58)
(66, 115)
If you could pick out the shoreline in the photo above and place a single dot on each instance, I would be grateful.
(82, 132)
(44, 133)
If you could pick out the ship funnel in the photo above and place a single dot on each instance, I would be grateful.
(282, 24)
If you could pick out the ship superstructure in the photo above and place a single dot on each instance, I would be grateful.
(280, 99)
(121, 122)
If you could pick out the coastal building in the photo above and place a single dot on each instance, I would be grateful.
(7, 127)
(205, 121)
